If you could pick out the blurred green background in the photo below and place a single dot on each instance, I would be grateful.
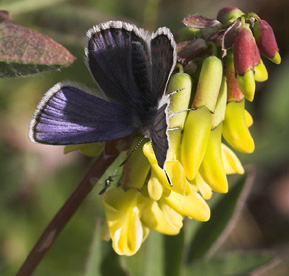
(35, 180)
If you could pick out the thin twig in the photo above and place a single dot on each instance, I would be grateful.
(65, 213)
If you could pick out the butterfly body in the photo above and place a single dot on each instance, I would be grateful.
(131, 68)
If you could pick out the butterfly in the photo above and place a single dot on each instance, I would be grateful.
(131, 68)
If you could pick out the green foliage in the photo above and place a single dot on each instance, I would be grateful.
(225, 210)
(232, 264)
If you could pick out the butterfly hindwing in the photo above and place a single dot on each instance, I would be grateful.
(163, 51)
(159, 135)
(67, 115)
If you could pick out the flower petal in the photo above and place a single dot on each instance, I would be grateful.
(231, 162)
(155, 188)
(174, 169)
(159, 216)
(123, 219)
(204, 189)
(192, 206)
(128, 239)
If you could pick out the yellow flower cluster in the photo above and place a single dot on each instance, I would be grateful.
(201, 114)
(197, 163)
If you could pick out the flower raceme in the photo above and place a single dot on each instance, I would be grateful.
(213, 79)
(153, 202)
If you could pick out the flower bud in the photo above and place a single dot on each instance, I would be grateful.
(212, 168)
(229, 14)
(209, 83)
(244, 61)
(233, 91)
(180, 100)
(247, 84)
(266, 41)
(261, 73)
(235, 129)
(195, 138)
(219, 114)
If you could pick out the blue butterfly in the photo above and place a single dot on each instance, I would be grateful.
(132, 68)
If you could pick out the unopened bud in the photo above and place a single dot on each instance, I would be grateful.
(244, 51)
(229, 14)
(244, 61)
(180, 100)
(233, 90)
(266, 41)
(209, 83)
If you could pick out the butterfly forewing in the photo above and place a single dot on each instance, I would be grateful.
(67, 115)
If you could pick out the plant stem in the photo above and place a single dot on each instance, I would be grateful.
(63, 216)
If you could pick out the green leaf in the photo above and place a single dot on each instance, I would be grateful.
(174, 249)
(111, 265)
(102, 260)
(232, 264)
(23, 6)
(149, 260)
(154, 262)
(92, 267)
(24, 51)
(223, 215)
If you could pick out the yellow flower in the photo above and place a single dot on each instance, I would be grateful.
(160, 216)
(122, 211)
(173, 167)
(192, 206)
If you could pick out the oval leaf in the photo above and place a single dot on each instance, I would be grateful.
(24, 51)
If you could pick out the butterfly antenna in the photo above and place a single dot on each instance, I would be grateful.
(168, 178)
(175, 92)
(130, 154)
(180, 111)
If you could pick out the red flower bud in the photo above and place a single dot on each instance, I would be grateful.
(266, 41)
(244, 51)
(233, 91)
(257, 56)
